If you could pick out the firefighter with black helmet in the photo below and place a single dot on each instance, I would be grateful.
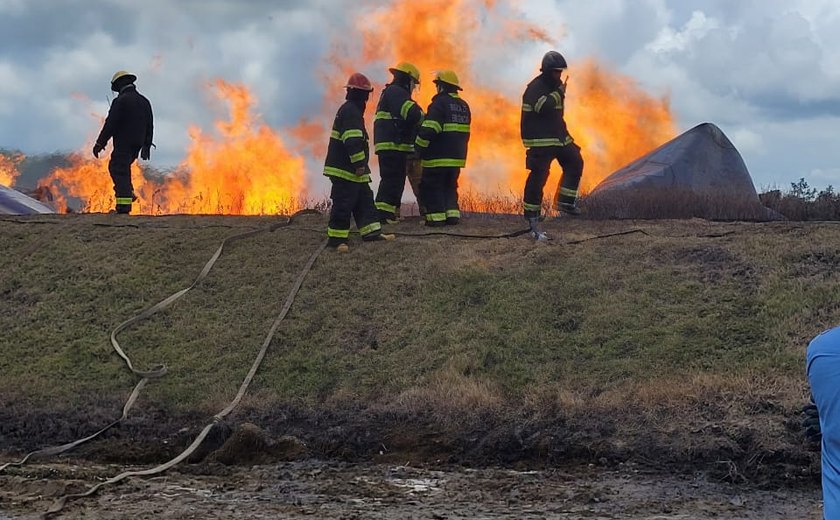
(546, 138)
(347, 167)
(394, 130)
(131, 124)
(442, 146)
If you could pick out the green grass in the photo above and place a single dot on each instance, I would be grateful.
(670, 328)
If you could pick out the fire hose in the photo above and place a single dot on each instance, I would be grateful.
(160, 370)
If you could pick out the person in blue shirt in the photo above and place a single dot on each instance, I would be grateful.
(823, 368)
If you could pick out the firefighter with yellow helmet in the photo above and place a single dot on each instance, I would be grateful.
(394, 130)
(442, 146)
(131, 125)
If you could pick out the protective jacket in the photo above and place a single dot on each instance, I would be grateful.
(445, 133)
(129, 121)
(349, 149)
(396, 120)
(542, 122)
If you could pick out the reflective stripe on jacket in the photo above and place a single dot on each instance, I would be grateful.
(445, 133)
(348, 149)
(542, 122)
(396, 120)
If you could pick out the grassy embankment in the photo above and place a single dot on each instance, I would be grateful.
(683, 346)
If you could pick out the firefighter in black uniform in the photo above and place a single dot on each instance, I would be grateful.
(546, 138)
(130, 123)
(394, 130)
(442, 145)
(347, 167)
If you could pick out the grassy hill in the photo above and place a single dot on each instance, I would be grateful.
(682, 346)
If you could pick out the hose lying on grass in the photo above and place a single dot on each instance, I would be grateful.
(160, 370)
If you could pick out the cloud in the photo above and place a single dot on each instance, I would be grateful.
(766, 71)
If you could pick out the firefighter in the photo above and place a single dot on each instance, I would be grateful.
(347, 167)
(394, 129)
(546, 138)
(130, 123)
(442, 145)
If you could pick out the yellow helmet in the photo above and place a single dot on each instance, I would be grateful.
(449, 77)
(121, 74)
(409, 69)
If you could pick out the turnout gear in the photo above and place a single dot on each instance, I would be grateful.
(553, 60)
(394, 130)
(442, 144)
(347, 167)
(130, 123)
(546, 138)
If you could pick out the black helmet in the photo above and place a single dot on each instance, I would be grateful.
(553, 60)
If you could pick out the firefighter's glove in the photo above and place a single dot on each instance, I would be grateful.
(146, 153)
(811, 425)
(97, 149)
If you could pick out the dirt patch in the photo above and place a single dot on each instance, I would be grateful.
(407, 490)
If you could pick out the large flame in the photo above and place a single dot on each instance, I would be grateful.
(611, 118)
(247, 168)
(244, 169)
(9, 169)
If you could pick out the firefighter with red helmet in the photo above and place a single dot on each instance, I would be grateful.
(546, 138)
(130, 123)
(394, 129)
(347, 167)
(442, 146)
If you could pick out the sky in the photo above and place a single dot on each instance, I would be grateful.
(766, 71)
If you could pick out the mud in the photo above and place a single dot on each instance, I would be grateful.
(314, 489)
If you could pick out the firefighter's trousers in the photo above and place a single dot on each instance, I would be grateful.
(392, 172)
(439, 192)
(351, 200)
(120, 169)
(538, 161)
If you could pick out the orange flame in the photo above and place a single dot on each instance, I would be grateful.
(612, 119)
(245, 170)
(9, 169)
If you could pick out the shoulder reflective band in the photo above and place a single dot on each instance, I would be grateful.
(405, 108)
(335, 135)
(455, 95)
(557, 100)
(539, 104)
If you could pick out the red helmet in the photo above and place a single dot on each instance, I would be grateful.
(359, 81)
